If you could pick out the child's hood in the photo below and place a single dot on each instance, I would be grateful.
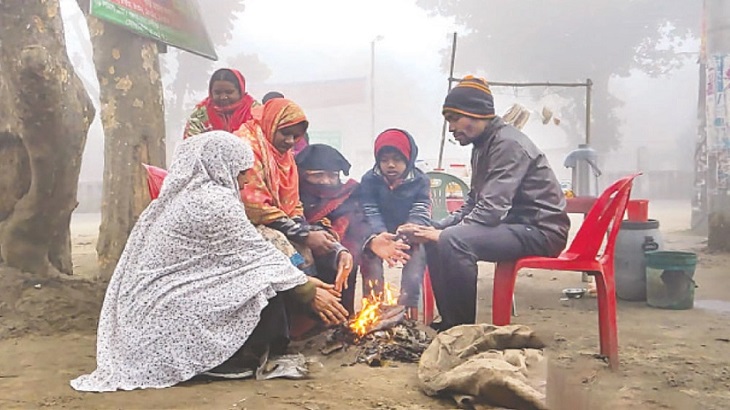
(386, 138)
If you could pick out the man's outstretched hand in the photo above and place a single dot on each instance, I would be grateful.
(420, 234)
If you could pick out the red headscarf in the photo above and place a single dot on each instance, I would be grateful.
(272, 191)
(231, 117)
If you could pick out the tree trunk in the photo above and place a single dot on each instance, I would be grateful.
(45, 114)
(133, 116)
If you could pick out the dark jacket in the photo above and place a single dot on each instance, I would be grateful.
(512, 183)
(344, 216)
(410, 202)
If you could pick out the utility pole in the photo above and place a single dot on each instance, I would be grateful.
(372, 90)
(717, 15)
(372, 86)
(451, 81)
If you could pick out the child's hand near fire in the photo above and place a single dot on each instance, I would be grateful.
(388, 248)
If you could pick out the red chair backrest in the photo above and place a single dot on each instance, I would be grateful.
(605, 216)
(155, 177)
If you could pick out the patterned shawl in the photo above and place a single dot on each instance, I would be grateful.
(273, 189)
(209, 117)
(193, 278)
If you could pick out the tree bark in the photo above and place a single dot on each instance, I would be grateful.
(45, 114)
(133, 117)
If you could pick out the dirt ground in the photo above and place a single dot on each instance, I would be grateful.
(669, 359)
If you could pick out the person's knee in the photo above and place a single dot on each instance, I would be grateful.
(431, 251)
(450, 242)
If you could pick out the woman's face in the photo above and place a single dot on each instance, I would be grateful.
(285, 138)
(243, 178)
(326, 178)
(224, 93)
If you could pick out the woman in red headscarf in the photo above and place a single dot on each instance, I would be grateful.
(271, 196)
(227, 106)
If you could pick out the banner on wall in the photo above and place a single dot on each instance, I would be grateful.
(718, 112)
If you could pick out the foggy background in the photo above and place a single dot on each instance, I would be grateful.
(642, 59)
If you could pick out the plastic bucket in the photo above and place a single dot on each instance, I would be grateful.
(669, 279)
(638, 210)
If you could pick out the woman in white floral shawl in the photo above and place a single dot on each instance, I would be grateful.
(195, 278)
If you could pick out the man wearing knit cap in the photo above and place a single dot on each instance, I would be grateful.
(515, 206)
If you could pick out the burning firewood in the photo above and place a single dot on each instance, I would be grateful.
(381, 333)
(390, 317)
(372, 310)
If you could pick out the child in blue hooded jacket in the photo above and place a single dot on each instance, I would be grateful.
(394, 193)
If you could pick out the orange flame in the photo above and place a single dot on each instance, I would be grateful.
(369, 315)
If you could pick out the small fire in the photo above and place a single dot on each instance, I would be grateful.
(369, 315)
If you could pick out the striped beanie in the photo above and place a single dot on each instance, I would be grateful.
(471, 97)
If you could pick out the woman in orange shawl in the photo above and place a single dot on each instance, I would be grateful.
(271, 196)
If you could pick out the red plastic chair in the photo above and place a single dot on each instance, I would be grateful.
(428, 299)
(582, 256)
(155, 177)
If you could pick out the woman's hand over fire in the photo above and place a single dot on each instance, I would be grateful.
(325, 286)
(321, 242)
(328, 306)
(344, 267)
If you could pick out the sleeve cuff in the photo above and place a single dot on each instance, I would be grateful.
(304, 293)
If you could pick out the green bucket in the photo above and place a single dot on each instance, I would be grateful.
(669, 279)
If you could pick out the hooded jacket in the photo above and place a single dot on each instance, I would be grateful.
(388, 208)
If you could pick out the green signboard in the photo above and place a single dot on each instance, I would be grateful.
(173, 22)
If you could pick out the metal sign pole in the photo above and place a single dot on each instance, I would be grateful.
(589, 87)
